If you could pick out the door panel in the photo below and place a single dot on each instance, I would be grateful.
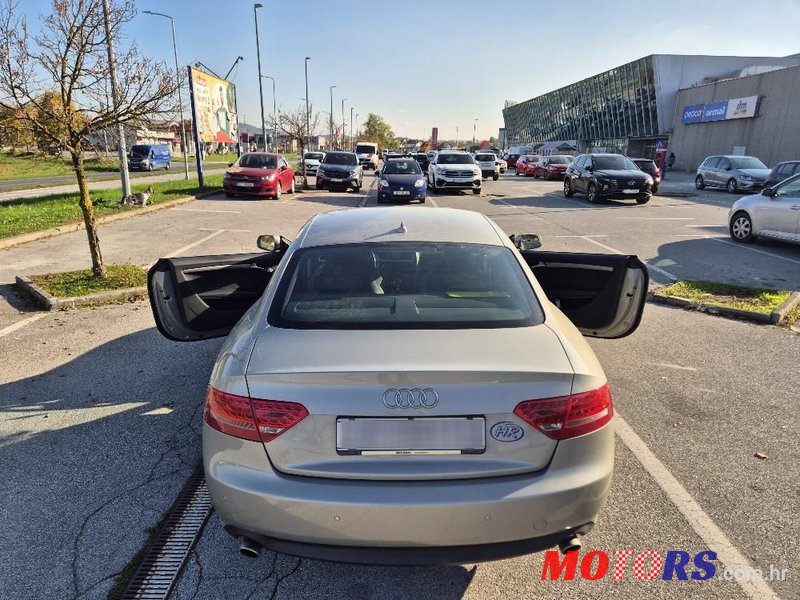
(199, 298)
(778, 215)
(602, 294)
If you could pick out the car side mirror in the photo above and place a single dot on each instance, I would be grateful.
(283, 167)
(729, 168)
(590, 168)
(269, 243)
(768, 192)
(377, 172)
(526, 241)
(230, 164)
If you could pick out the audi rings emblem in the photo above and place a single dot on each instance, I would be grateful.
(410, 398)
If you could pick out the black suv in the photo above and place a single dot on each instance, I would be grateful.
(340, 169)
(783, 171)
(605, 176)
(422, 159)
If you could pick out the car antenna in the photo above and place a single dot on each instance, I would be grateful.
(402, 228)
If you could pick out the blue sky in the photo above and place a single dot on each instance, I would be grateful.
(443, 62)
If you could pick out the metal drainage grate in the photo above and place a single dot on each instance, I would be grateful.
(166, 556)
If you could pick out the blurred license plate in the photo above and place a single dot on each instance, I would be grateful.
(462, 178)
(398, 436)
(631, 191)
(402, 193)
(336, 180)
(245, 184)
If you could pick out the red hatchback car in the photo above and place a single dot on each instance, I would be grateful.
(259, 174)
(526, 164)
(552, 167)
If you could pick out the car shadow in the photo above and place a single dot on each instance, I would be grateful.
(94, 451)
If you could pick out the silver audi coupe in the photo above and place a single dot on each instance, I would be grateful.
(404, 386)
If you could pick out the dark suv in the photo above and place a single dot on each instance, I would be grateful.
(782, 171)
(605, 176)
(339, 169)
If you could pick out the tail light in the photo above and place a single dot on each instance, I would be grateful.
(657, 173)
(568, 416)
(250, 418)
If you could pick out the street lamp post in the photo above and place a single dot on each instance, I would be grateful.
(274, 111)
(331, 120)
(357, 135)
(474, 123)
(112, 66)
(351, 128)
(344, 142)
(180, 97)
(456, 136)
(256, 6)
(308, 117)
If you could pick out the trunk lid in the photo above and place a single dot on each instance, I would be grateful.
(342, 377)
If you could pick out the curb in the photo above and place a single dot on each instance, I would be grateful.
(52, 303)
(773, 318)
(33, 236)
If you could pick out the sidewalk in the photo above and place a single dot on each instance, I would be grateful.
(678, 183)
(112, 183)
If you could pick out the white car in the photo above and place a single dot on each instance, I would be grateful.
(774, 213)
(453, 169)
(502, 165)
(312, 161)
(402, 388)
(488, 165)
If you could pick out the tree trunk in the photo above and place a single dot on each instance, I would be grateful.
(98, 268)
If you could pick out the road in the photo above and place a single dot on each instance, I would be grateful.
(59, 184)
(100, 415)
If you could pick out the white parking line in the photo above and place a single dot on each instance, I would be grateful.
(20, 324)
(655, 218)
(743, 247)
(522, 208)
(432, 202)
(209, 210)
(699, 521)
(615, 251)
(215, 233)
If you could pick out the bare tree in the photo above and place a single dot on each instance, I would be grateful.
(58, 78)
(293, 124)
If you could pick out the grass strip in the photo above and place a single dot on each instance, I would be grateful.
(741, 297)
(82, 283)
(30, 165)
(24, 215)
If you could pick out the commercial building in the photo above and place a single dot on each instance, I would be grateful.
(755, 115)
(628, 109)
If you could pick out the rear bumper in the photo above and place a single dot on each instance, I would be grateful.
(294, 513)
(416, 194)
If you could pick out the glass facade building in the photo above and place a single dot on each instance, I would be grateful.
(629, 109)
(601, 113)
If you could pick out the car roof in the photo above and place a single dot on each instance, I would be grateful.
(359, 225)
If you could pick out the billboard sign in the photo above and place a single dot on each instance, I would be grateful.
(742, 108)
(723, 110)
(214, 108)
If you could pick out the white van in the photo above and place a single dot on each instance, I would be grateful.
(367, 153)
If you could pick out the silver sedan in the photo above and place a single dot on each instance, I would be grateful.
(400, 386)
(774, 213)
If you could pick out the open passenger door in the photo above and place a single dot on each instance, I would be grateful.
(602, 294)
(203, 297)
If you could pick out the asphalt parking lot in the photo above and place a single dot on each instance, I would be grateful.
(100, 415)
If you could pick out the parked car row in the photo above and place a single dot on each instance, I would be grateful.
(774, 213)
(742, 173)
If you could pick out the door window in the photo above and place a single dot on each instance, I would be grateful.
(789, 190)
(711, 163)
(785, 169)
(724, 164)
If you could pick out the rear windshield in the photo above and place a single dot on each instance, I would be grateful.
(454, 159)
(315, 155)
(258, 161)
(614, 163)
(340, 158)
(484, 157)
(559, 160)
(402, 167)
(646, 165)
(747, 162)
(365, 149)
(404, 286)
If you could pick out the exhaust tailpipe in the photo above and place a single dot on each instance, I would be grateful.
(251, 549)
(569, 544)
